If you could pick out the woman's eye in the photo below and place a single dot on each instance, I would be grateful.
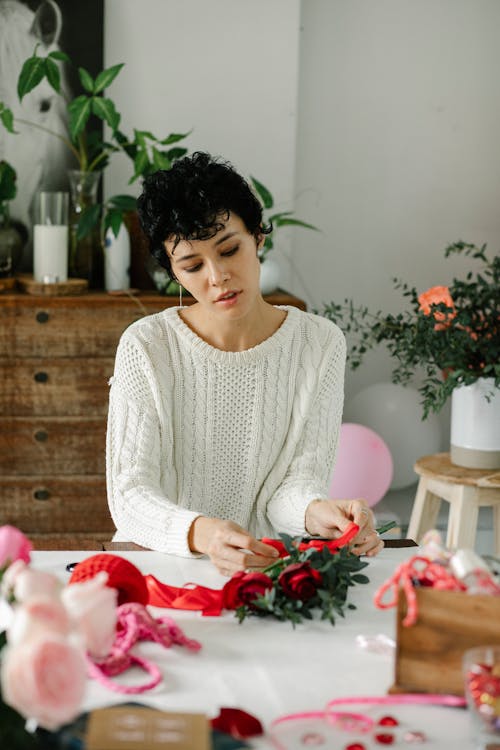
(193, 269)
(230, 252)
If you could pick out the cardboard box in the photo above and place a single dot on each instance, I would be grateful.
(429, 654)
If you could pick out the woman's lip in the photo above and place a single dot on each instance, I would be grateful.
(224, 297)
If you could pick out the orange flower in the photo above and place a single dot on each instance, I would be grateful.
(434, 296)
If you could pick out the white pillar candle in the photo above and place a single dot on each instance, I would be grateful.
(50, 252)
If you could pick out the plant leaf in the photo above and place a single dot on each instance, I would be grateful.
(105, 109)
(160, 159)
(88, 220)
(263, 193)
(286, 221)
(123, 202)
(174, 138)
(106, 77)
(53, 75)
(79, 113)
(113, 219)
(8, 187)
(58, 55)
(7, 118)
(86, 80)
(31, 74)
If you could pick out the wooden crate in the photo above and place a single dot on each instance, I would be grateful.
(429, 654)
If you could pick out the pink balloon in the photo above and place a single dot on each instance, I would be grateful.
(364, 465)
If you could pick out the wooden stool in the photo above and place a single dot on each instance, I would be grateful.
(466, 490)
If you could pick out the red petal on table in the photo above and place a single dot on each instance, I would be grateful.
(388, 721)
(384, 738)
(122, 575)
(209, 601)
(239, 724)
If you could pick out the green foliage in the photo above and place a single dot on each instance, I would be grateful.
(339, 571)
(146, 152)
(278, 219)
(452, 353)
(7, 182)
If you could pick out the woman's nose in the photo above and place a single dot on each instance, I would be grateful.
(218, 275)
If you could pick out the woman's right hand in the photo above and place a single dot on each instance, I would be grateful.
(228, 545)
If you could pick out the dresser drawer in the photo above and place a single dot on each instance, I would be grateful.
(55, 387)
(52, 445)
(53, 505)
(90, 327)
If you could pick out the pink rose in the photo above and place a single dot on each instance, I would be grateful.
(13, 546)
(92, 606)
(44, 679)
(40, 615)
(28, 582)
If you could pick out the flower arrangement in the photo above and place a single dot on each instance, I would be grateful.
(452, 332)
(307, 577)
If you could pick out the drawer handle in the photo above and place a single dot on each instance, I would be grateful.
(41, 494)
(41, 436)
(41, 377)
(42, 316)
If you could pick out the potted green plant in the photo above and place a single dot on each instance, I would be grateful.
(270, 271)
(11, 241)
(451, 336)
(91, 151)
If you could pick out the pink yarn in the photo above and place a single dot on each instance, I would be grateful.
(134, 623)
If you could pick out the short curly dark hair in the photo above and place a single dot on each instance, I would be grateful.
(191, 201)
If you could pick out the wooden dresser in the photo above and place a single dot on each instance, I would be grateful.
(56, 356)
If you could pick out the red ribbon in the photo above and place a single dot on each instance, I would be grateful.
(211, 601)
(331, 544)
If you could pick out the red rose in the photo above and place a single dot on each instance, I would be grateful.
(243, 588)
(300, 581)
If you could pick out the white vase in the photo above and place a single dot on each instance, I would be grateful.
(270, 275)
(117, 260)
(475, 425)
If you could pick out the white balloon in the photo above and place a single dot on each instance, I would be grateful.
(395, 413)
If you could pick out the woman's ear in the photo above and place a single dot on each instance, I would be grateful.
(260, 239)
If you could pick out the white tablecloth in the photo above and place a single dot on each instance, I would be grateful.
(269, 668)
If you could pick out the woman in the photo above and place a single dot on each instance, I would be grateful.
(224, 416)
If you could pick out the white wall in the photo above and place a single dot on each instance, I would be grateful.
(228, 69)
(397, 150)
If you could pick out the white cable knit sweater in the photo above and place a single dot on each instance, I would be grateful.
(192, 430)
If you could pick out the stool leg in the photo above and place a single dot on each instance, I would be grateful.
(496, 529)
(424, 513)
(462, 525)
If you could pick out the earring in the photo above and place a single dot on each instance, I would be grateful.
(180, 295)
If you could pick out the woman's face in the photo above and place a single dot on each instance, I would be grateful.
(223, 272)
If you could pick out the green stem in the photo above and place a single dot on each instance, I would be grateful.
(51, 132)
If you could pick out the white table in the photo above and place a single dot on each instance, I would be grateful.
(270, 669)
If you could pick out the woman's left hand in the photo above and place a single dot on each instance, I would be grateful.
(330, 518)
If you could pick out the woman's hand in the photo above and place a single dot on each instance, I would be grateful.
(229, 547)
(330, 518)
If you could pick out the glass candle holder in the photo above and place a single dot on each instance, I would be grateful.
(50, 237)
(481, 670)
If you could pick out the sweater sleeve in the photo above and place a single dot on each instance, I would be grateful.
(311, 466)
(135, 452)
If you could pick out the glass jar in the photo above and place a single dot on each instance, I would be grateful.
(86, 257)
